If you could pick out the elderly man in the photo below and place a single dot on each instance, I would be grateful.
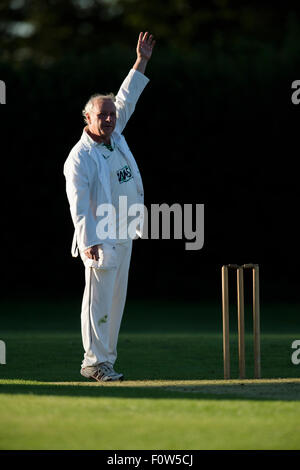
(100, 170)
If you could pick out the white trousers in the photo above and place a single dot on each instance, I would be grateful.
(102, 307)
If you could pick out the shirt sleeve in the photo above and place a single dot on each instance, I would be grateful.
(78, 193)
(127, 97)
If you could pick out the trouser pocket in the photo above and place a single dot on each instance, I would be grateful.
(107, 258)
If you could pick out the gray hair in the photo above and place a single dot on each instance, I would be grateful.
(90, 103)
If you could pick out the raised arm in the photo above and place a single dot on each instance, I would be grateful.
(134, 83)
(143, 51)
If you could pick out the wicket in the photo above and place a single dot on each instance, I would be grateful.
(241, 325)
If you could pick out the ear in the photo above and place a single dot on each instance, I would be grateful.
(88, 118)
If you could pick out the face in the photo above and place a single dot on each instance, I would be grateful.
(102, 118)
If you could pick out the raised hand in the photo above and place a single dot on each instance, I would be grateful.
(145, 46)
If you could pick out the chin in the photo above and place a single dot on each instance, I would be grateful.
(107, 133)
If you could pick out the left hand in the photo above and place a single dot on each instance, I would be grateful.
(145, 46)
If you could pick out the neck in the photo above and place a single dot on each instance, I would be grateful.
(98, 138)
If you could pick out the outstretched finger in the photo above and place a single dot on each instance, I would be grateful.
(152, 41)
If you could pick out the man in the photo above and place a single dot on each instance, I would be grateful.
(99, 170)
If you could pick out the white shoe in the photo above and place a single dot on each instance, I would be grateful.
(115, 374)
(102, 372)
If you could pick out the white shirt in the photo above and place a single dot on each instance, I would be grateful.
(122, 184)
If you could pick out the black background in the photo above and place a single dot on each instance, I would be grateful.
(215, 125)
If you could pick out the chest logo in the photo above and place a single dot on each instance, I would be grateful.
(124, 174)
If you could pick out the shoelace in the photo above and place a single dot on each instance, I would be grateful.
(110, 367)
(104, 369)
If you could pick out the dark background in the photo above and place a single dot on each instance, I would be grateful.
(216, 125)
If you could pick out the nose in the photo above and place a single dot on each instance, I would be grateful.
(108, 118)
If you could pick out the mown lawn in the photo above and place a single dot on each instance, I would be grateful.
(173, 397)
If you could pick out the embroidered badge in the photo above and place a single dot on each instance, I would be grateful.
(124, 174)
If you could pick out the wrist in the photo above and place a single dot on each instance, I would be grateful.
(140, 64)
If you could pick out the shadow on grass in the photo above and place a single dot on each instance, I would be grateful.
(285, 390)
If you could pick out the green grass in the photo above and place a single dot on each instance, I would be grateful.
(174, 396)
(123, 418)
